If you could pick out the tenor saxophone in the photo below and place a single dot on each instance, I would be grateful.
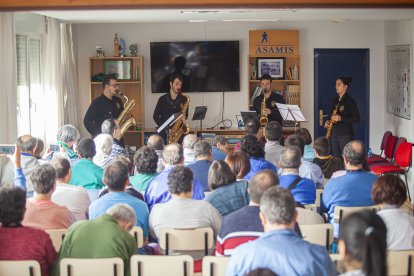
(125, 124)
(331, 123)
(263, 117)
(180, 127)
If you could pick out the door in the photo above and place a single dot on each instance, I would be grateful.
(329, 64)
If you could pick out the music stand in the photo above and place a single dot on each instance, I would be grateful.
(200, 114)
(166, 125)
(291, 112)
(246, 115)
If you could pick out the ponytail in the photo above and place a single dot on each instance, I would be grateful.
(375, 263)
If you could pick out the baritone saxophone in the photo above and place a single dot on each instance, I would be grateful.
(180, 127)
(123, 121)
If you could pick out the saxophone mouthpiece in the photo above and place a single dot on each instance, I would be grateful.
(120, 93)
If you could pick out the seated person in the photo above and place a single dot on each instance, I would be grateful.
(20, 242)
(85, 173)
(111, 127)
(280, 249)
(203, 156)
(104, 237)
(157, 190)
(328, 163)
(67, 138)
(156, 142)
(303, 189)
(252, 126)
(182, 211)
(308, 152)
(75, 198)
(363, 244)
(117, 179)
(103, 144)
(39, 148)
(389, 193)
(228, 195)
(254, 149)
(239, 164)
(273, 148)
(41, 212)
(219, 147)
(188, 147)
(146, 163)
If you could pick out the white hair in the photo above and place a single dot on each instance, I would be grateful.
(123, 212)
(103, 143)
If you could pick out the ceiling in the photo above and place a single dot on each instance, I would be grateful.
(231, 15)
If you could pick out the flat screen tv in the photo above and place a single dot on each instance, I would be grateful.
(206, 66)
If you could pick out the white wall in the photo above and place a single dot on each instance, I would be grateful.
(361, 34)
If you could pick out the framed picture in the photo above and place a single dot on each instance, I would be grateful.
(121, 68)
(275, 67)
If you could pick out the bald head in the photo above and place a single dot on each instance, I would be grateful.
(290, 158)
(354, 153)
(27, 143)
(156, 142)
(260, 183)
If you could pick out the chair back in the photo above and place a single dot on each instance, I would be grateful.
(400, 262)
(341, 212)
(389, 146)
(403, 155)
(142, 265)
(400, 140)
(321, 234)
(20, 268)
(92, 267)
(306, 216)
(318, 199)
(384, 139)
(138, 235)
(57, 236)
(215, 266)
(186, 239)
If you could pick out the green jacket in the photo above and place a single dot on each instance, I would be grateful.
(140, 181)
(86, 174)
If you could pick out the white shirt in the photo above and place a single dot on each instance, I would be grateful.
(75, 198)
(400, 228)
(311, 171)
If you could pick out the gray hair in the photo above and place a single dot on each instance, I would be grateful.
(202, 148)
(218, 139)
(156, 142)
(103, 143)
(290, 158)
(43, 178)
(354, 152)
(67, 133)
(189, 141)
(26, 143)
(278, 206)
(172, 154)
(123, 212)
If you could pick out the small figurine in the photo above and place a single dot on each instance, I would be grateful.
(133, 48)
(99, 52)
(122, 47)
(116, 46)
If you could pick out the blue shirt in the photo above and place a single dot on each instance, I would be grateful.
(218, 154)
(157, 190)
(257, 164)
(19, 179)
(200, 171)
(305, 190)
(352, 189)
(101, 205)
(311, 171)
(284, 253)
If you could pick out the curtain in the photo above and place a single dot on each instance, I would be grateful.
(8, 79)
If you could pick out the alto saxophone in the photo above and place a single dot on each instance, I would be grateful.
(125, 124)
(331, 123)
(180, 127)
(263, 117)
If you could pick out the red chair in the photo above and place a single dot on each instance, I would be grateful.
(403, 158)
(383, 143)
(391, 162)
(388, 150)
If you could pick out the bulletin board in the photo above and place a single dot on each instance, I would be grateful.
(398, 80)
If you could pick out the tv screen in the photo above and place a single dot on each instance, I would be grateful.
(206, 66)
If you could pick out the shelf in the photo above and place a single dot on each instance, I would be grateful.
(119, 82)
(111, 58)
(292, 81)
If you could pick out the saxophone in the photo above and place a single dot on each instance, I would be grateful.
(180, 127)
(124, 123)
(263, 117)
(331, 123)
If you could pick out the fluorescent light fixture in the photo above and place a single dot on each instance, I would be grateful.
(252, 20)
(198, 20)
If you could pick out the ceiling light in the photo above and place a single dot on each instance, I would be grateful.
(340, 20)
(250, 20)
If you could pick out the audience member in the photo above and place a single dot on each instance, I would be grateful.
(244, 224)
(111, 127)
(156, 142)
(188, 146)
(41, 212)
(103, 144)
(303, 189)
(19, 242)
(85, 173)
(220, 147)
(104, 237)
(307, 169)
(390, 193)
(67, 138)
(182, 211)
(280, 249)
(253, 148)
(363, 244)
(146, 163)
(308, 152)
(75, 198)
(39, 148)
(273, 148)
(29, 163)
(228, 195)
(239, 164)
(200, 167)
(352, 189)
(252, 126)
(117, 179)
(328, 163)
(157, 190)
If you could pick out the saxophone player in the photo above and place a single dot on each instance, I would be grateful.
(271, 98)
(106, 106)
(170, 103)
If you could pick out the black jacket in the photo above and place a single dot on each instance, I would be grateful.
(271, 104)
(166, 107)
(348, 110)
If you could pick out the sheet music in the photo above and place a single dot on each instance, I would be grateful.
(284, 111)
(291, 112)
(297, 113)
(173, 118)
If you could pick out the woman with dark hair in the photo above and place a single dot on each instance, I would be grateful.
(389, 193)
(146, 163)
(255, 150)
(363, 244)
(227, 194)
(19, 242)
(239, 164)
(308, 152)
(344, 114)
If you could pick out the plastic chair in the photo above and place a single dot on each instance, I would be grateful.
(20, 268)
(341, 212)
(321, 234)
(92, 267)
(383, 144)
(142, 265)
(57, 236)
(391, 161)
(400, 262)
(388, 151)
(138, 235)
(215, 266)
(306, 216)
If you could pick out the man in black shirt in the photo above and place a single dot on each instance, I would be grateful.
(106, 106)
(272, 98)
(170, 103)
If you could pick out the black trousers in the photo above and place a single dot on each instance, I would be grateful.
(338, 143)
